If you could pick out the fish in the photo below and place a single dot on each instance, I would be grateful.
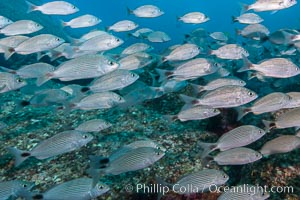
(237, 156)
(135, 48)
(223, 97)
(141, 33)
(248, 18)
(124, 25)
(183, 52)
(115, 80)
(189, 70)
(146, 11)
(219, 36)
(53, 8)
(83, 67)
(9, 82)
(94, 125)
(21, 27)
(15, 188)
(4, 21)
(39, 43)
(230, 52)
(77, 189)
(58, 144)
(294, 101)
(217, 83)
(269, 103)
(274, 67)
(132, 160)
(238, 137)
(194, 113)
(255, 32)
(245, 192)
(194, 18)
(82, 21)
(98, 101)
(158, 36)
(281, 144)
(136, 61)
(265, 5)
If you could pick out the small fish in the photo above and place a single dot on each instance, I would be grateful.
(158, 36)
(194, 18)
(146, 11)
(245, 192)
(58, 144)
(183, 52)
(135, 48)
(9, 82)
(248, 18)
(4, 21)
(14, 189)
(274, 5)
(274, 67)
(255, 32)
(141, 33)
(194, 113)
(39, 43)
(220, 36)
(115, 80)
(21, 27)
(217, 83)
(53, 8)
(285, 120)
(136, 61)
(281, 144)
(94, 125)
(76, 189)
(124, 25)
(238, 137)
(87, 66)
(91, 35)
(98, 101)
(12, 41)
(190, 70)
(223, 97)
(83, 21)
(269, 103)
(237, 156)
(230, 52)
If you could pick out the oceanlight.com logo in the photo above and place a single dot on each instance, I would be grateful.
(176, 188)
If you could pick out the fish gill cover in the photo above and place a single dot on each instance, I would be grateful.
(148, 99)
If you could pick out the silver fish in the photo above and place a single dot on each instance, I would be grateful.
(48, 97)
(237, 156)
(248, 18)
(94, 125)
(135, 48)
(98, 101)
(10, 82)
(254, 31)
(12, 41)
(115, 80)
(136, 61)
(87, 66)
(230, 51)
(269, 5)
(83, 21)
(146, 11)
(14, 189)
(21, 27)
(245, 192)
(238, 137)
(194, 18)
(269, 103)
(142, 33)
(53, 8)
(294, 100)
(220, 36)
(58, 144)
(77, 189)
(4, 21)
(124, 25)
(158, 36)
(223, 97)
(183, 52)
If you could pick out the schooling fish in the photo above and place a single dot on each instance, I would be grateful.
(10, 82)
(248, 18)
(53, 8)
(194, 18)
(21, 27)
(94, 125)
(183, 52)
(230, 52)
(58, 144)
(83, 21)
(158, 36)
(135, 48)
(146, 11)
(266, 5)
(14, 189)
(124, 25)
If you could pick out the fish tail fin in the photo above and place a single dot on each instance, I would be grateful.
(197, 88)
(129, 11)
(244, 7)
(20, 156)
(207, 160)
(207, 148)
(98, 164)
(162, 184)
(268, 125)
(191, 101)
(178, 18)
(41, 80)
(63, 23)
(4, 69)
(8, 52)
(31, 7)
(170, 118)
(233, 19)
(54, 55)
(247, 65)
(163, 74)
(242, 111)
(237, 32)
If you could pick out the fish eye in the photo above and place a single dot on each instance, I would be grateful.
(120, 98)
(19, 80)
(224, 176)
(250, 94)
(101, 187)
(57, 39)
(111, 63)
(37, 25)
(215, 64)
(215, 110)
(85, 136)
(296, 68)
(73, 7)
(118, 40)
(257, 155)
(158, 153)
(24, 185)
(242, 82)
(132, 75)
(260, 131)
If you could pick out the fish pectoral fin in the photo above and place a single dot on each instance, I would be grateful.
(3, 87)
